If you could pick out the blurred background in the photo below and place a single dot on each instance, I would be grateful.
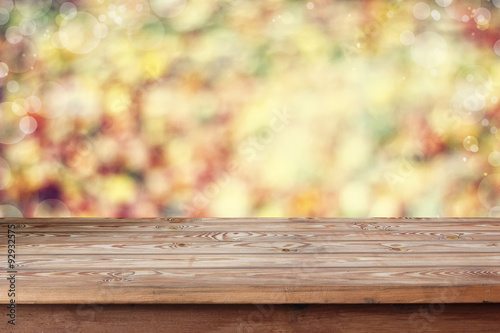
(135, 108)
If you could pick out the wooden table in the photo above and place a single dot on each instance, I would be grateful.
(248, 274)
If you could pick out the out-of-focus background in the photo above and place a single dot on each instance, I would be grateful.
(249, 108)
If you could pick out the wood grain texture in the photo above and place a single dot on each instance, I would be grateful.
(235, 236)
(265, 318)
(33, 262)
(238, 260)
(203, 247)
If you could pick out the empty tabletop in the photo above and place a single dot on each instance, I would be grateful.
(251, 260)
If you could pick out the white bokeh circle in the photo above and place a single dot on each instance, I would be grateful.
(10, 211)
(51, 208)
(53, 98)
(489, 191)
(467, 106)
(429, 50)
(421, 10)
(10, 132)
(77, 34)
(407, 37)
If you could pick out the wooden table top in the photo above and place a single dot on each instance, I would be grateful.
(252, 260)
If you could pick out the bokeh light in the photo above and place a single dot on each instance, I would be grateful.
(471, 144)
(9, 119)
(5, 174)
(10, 211)
(249, 108)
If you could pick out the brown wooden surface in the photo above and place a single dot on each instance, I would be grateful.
(214, 260)
(263, 318)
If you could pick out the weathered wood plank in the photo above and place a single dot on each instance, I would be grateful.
(291, 294)
(242, 236)
(103, 226)
(250, 220)
(200, 247)
(251, 260)
(226, 261)
(416, 318)
(290, 277)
